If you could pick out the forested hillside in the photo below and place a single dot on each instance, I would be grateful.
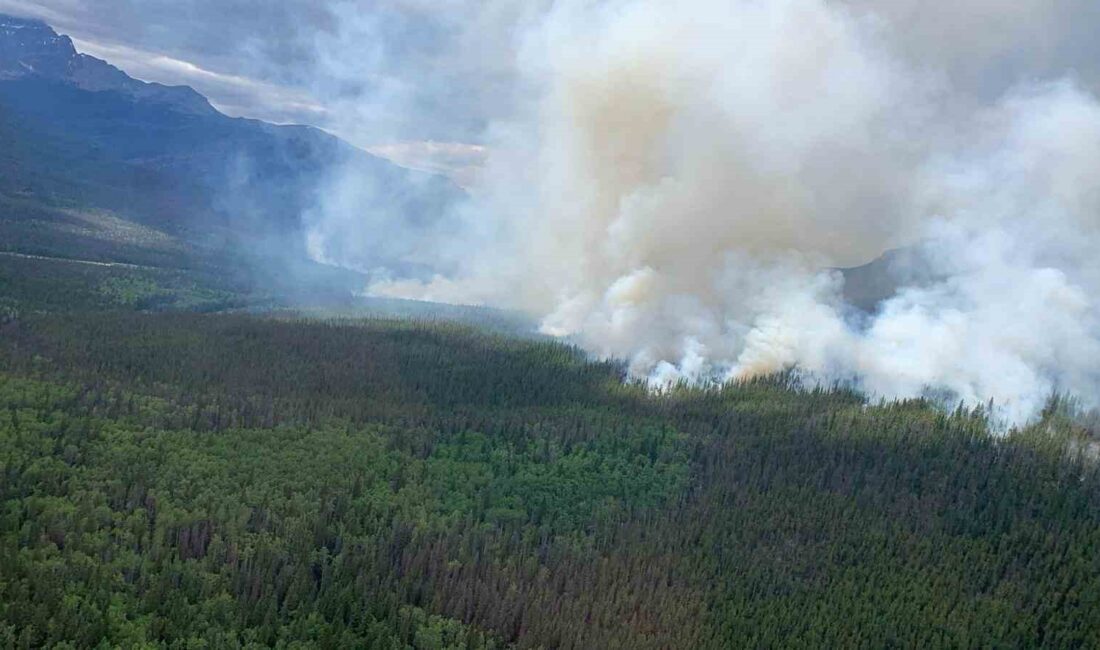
(98, 166)
(186, 480)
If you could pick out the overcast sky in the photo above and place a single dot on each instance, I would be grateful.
(385, 71)
(374, 71)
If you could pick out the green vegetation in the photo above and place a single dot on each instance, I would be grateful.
(187, 480)
(30, 284)
(204, 448)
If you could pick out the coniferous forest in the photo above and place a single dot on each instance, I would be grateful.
(292, 480)
(215, 435)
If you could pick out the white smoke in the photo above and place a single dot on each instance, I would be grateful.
(685, 176)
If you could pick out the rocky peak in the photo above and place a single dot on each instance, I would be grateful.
(31, 48)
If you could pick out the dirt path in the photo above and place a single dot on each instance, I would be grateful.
(121, 265)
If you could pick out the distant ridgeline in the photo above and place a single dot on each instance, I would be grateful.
(83, 146)
(31, 48)
(96, 165)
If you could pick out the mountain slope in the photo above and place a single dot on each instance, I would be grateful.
(77, 133)
(31, 48)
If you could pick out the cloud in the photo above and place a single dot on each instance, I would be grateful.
(386, 71)
(459, 161)
(234, 95)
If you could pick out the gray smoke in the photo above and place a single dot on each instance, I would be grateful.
(674, 184)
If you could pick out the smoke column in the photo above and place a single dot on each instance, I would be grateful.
(679, 181)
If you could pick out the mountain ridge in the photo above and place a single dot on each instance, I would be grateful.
(32, 47)
(77, 133)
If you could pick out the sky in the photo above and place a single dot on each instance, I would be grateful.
(378, 73)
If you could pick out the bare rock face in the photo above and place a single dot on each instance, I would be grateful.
(31, 48)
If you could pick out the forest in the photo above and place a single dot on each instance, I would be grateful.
(193, 472)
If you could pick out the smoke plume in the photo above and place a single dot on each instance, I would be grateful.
(676, 184)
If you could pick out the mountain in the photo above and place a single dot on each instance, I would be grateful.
(31, 48)
(85, 148)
